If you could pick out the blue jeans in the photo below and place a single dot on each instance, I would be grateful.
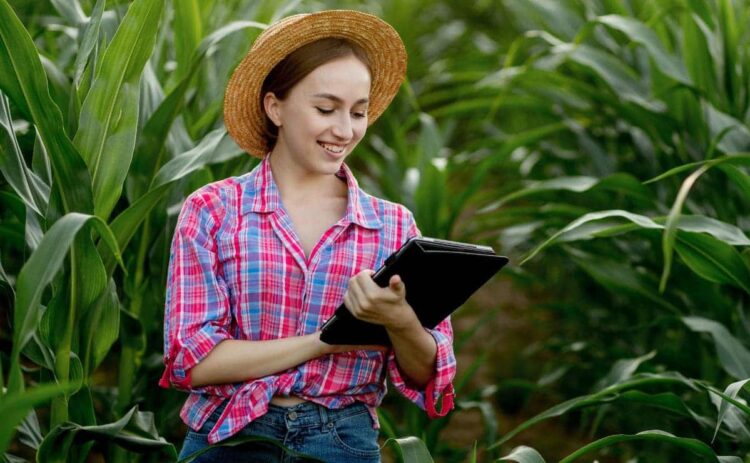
(343, 435)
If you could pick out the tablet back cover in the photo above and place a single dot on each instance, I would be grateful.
(439, 277)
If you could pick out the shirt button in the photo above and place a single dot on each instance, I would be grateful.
(292, 416)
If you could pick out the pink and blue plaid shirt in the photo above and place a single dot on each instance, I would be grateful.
(237, 271)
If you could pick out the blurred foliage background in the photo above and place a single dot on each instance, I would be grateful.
(603, 145)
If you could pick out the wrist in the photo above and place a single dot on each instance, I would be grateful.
(408, 323)
(318, 347)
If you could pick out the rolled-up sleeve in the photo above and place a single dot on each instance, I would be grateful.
(197, 309)
(441, 383)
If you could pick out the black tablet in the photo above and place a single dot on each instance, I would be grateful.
(439, 276)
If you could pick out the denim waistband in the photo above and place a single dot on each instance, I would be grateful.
(309, 414)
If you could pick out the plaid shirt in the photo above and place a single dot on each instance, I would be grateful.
(237, 271)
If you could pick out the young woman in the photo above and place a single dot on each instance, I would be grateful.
(259, 262)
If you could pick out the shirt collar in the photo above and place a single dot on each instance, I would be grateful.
(263, 196)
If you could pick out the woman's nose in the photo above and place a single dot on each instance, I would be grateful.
(342, 127)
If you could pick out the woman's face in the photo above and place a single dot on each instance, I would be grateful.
(324, 116)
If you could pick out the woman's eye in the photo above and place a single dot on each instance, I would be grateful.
(360, 115)
(324, 110)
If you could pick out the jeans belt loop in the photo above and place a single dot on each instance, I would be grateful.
(324, 418)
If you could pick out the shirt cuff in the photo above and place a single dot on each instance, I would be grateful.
(184, 356)
(439, 385)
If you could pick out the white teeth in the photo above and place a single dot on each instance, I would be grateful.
(332, 148)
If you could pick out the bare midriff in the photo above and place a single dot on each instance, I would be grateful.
(283, 401)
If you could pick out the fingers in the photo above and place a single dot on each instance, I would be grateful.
(397, 286)
(355, 297)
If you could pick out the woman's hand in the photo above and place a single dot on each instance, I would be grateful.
(382, 306)
(414, 347)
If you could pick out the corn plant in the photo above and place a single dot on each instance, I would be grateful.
(640, 200)
(110, 115)
(96, 147)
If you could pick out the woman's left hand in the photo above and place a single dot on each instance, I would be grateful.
(383, 306)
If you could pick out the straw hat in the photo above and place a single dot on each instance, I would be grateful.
(243, 116)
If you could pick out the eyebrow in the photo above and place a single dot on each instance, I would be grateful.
(332, 97)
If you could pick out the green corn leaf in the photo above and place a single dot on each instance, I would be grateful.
(411, 449)
(388, 425)
(485, 167)
(695, 446)
(670, 229)
(556, 17)
(713, 259)
(53, 322)
(665, 401)
(15, 406)
(557, 410)
(639, 220)
(109, 114)
(70, 10)
(190, 161)
(728, 233)
(59, 84)
(606, 395)
(623, 369)
(90, 37)
(135, 431)
(729, 28)
(620, 182)
(30, 431)
(733, 134)
(23, 79)
(733, 355)
(81, 407)
(738, 159)
(739, 403)
(612, 221)
(187, 28)
(622, 79)
(700, 61)
(38, 272)
(737, 176)
(523, 454)
(5, 278)
(430, 194)
(641, 34)
(621, 277)
(29, 187)
(102, 318)
(151, 142)
(127, 222)
(38, 352)
(732, 391)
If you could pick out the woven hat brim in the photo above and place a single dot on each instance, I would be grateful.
(243, 116)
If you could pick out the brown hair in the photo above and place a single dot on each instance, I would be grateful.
(297, 65)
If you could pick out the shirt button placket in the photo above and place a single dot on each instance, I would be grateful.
(303, 309)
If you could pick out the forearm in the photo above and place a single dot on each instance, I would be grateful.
(415, 351)
(233, 360)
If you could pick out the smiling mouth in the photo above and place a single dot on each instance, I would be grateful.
(334, 149)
